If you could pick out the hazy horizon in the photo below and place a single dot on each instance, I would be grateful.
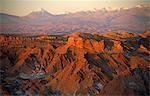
(24, 7)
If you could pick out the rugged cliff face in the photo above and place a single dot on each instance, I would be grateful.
(89, 43)
(86, 65)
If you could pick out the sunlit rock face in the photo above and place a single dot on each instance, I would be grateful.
(86, 64)
(76, 40)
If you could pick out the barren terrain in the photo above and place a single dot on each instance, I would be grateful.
(80, 64)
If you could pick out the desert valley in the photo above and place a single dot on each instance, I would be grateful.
(98, 52)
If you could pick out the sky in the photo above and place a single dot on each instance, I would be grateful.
(24, 7)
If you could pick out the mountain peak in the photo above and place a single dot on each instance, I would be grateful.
(39, 13)
(41, 10)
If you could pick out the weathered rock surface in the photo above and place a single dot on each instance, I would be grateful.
(86, 65)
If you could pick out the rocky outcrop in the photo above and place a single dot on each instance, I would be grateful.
(87, 44)
(93, 44)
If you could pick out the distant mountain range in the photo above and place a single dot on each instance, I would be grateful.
(134, 19)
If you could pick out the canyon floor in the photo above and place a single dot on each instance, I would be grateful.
(79, 64)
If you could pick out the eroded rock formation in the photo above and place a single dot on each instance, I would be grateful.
(86, 65)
